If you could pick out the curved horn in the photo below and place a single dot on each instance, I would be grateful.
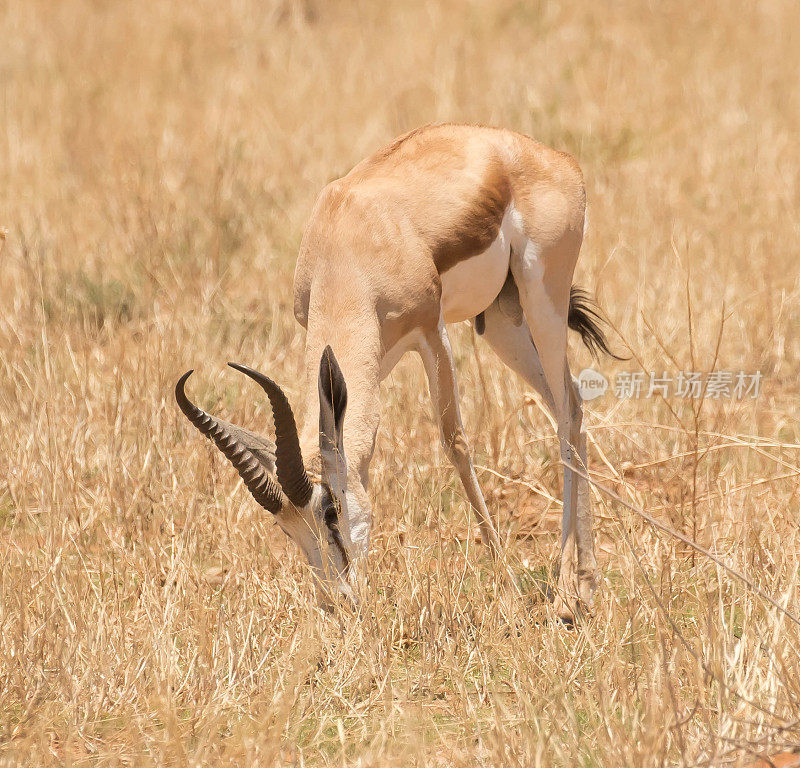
(292, 474)
(255, 476)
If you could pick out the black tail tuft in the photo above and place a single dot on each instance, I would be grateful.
(585, 318)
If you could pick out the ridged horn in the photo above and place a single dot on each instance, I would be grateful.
(292, 473)
(255, 476)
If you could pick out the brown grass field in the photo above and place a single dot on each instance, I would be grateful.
(158, 163)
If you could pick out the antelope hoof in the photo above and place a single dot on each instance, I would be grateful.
(574, 596)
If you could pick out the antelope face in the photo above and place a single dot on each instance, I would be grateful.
(313, 514)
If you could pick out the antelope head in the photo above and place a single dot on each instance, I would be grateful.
(310, 512)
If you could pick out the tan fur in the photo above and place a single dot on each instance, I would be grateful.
(379, 238)
(378, 241)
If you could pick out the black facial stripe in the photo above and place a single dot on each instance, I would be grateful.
(330, 515)
(329, 506)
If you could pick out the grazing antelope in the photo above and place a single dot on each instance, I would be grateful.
(448, 223)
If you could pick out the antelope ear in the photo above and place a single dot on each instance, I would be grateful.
(332, 406)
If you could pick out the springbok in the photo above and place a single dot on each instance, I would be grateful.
(448, 223)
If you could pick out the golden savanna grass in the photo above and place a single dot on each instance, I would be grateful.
(158, 163)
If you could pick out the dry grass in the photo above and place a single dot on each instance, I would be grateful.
(158, 164)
